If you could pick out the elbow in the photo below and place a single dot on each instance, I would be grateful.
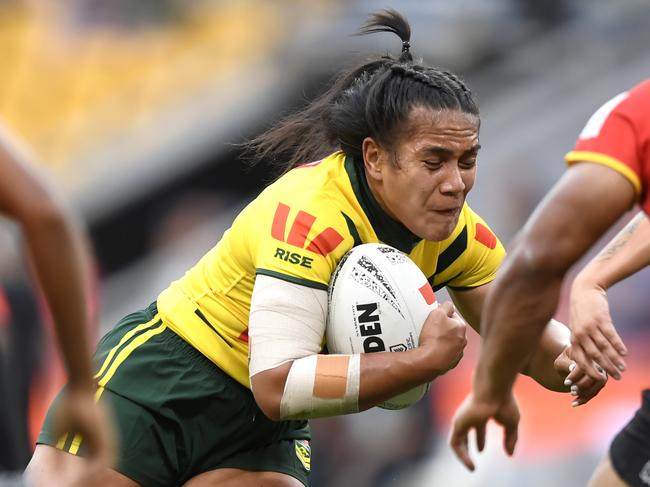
(268, 405)
(540, 261)
(268, 388)
(45, 213)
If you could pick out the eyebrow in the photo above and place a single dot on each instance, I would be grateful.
(443, 151)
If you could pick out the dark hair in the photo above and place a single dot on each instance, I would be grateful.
(370, 100)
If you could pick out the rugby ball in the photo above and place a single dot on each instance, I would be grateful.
(378, 300)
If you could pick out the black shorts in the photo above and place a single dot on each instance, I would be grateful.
(178, 414)
(630, 450)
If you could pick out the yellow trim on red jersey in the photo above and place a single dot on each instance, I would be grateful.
(574, 157)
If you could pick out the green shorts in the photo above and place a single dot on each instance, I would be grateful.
(178, 415)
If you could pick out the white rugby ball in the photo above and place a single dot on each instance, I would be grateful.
(378, 301)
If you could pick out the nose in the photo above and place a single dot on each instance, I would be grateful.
(453, 181)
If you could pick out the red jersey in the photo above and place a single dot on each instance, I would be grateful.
(618, 136)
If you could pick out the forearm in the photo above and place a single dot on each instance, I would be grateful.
(541, 366)
(325, 385)
(384, 375)
(56, 250)
(624, 255)
(513, 330)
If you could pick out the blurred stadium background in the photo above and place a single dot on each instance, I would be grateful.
(136, 107)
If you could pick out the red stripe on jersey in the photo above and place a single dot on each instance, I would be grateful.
(485, 236)
(243, 336)
(300, 229)
(280, 222)
(326, 241)
(427, 293)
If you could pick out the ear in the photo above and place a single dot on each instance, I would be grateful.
(373, 158)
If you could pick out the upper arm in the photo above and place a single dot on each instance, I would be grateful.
(469, 302)
(24, 194)
(286, 323)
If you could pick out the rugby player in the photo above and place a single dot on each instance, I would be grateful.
(214, 382)
(609, 172)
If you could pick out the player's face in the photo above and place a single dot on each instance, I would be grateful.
(423, 180)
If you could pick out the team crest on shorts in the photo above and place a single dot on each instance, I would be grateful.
(644, 474)
(303, 452)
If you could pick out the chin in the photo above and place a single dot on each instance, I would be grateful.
(438, 232)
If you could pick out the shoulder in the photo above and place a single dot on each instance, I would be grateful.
(296, 228)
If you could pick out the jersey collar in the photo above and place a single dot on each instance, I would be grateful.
(388, 230)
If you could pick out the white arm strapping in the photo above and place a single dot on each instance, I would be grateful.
(287, 323)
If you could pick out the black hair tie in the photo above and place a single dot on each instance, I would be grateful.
(406, 45)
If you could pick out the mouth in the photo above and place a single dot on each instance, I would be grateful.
(447, 212)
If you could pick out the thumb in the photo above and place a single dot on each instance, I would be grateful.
(563, 363)
(448, 308)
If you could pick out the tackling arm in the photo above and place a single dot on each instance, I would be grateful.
(526, 292)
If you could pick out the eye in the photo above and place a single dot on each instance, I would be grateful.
(433, 164)
(468, 163)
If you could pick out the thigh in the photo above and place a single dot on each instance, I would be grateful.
(284, 462)
(49, 463)
(233, 477)
(605, 476)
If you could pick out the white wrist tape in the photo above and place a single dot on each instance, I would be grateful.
(321, 385)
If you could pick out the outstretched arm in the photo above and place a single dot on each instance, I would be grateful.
(56, 249)
(593, 333)
(526, 291)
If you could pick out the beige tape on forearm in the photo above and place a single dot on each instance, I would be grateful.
(321, 385)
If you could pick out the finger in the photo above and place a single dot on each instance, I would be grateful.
(480, 437)
(613, 337)
(583, 399)
(577, 402)
(589, 388)
(585, 365)
(563, 364)
(510, 438)
(458, 443)
(576, 371)
(606, 347)
(594, 353)
(604, 343)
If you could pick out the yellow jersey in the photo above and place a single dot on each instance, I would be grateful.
(298, 229)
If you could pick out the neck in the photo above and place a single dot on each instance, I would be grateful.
(376, 190)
